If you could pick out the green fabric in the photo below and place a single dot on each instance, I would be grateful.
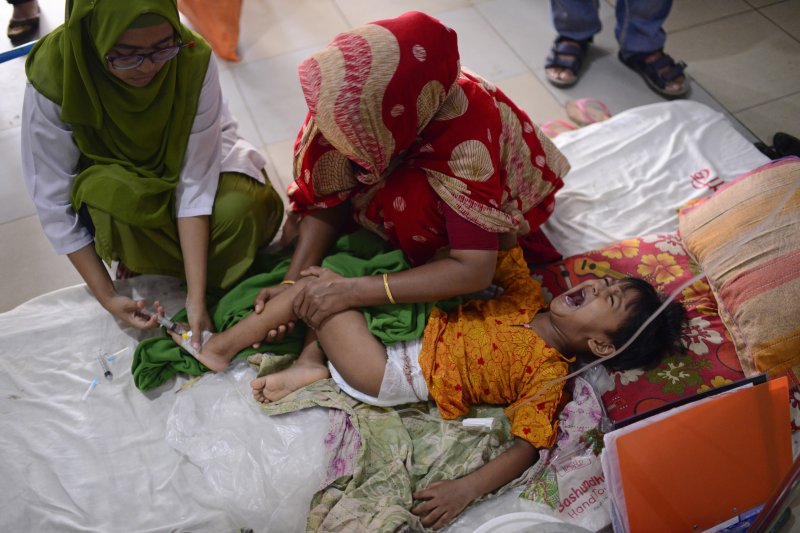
(246, 216)
(157, 360)
(401, 450)
(132, 139)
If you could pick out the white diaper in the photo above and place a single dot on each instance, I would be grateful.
(403, 381)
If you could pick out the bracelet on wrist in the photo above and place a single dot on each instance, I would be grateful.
(386, 287)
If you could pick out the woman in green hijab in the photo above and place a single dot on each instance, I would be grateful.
(130, 155)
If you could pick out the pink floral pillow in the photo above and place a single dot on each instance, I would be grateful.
(710, 359)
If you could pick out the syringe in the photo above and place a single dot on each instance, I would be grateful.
(186, 335)
(106, 371)
(162, 320)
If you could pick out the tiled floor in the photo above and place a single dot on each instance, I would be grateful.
(743, 56)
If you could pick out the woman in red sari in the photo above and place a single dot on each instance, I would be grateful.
(401, 141)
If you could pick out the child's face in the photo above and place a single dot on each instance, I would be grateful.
(588, 314)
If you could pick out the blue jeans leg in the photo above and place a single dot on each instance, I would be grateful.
(640, 25)
(575, 19)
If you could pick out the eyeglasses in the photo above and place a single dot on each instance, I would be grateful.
(159, 56)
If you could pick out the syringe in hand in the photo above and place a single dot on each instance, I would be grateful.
(186, 335)
(163, 321)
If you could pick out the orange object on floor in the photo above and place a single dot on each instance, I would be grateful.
(707, 463)
(217, 21)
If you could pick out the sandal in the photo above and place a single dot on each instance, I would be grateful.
(553, 128)
(658, 70)
(21, 30)
(585, 111)
(785, 144)
(567, 54)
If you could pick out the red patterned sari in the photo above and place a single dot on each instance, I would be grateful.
(398, 129)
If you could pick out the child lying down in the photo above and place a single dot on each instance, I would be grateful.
(502, 351)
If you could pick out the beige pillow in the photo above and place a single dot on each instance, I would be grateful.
(746, 239)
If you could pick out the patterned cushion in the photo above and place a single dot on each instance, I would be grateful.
(746, 238)
(710, 358)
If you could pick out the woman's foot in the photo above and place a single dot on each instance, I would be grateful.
(273, 387)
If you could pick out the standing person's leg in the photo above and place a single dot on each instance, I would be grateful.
(641, 37)
(576, 21)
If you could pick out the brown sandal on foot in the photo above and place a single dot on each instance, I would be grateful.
(21, 30)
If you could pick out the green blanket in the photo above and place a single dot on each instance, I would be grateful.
(156, 360)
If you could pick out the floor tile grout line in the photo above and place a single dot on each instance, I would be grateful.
(516, 54)
(771, 101)
(769, 19)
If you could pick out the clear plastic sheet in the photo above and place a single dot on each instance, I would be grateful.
(262, 470)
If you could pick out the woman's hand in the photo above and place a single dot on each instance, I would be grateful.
(444, 501)
(325, 294)
(128, 311)
(199, 321)
(263, 296)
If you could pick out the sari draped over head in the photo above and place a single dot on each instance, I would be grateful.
(397, 128)
(132, 139)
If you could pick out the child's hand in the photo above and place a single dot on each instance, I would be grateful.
(445, 501)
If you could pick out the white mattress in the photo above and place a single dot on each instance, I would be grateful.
(631, 173)
(105, 464)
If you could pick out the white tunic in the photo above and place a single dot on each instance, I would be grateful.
(50, 161)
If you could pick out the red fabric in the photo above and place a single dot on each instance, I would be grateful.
(464, 235)
(390, 97)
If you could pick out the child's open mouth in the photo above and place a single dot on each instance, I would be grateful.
(575, 299)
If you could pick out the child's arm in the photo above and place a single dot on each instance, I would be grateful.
(447, 499)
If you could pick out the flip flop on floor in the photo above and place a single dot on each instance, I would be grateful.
(587, 111)
(553, 128)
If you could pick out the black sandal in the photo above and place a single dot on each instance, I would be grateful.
(564, 46)
(659, 72)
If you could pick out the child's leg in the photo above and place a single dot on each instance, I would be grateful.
(358, 356)
(356, 353)
(218, 351)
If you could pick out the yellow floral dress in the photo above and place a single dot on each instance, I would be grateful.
(478, 354)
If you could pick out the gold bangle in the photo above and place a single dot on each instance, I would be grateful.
(386, 286)
(288, 282)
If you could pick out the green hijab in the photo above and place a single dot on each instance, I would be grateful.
(132, 139)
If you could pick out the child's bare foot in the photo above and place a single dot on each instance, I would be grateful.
(275, 386)
(208, 355)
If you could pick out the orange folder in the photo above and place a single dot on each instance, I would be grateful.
(701, 466)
